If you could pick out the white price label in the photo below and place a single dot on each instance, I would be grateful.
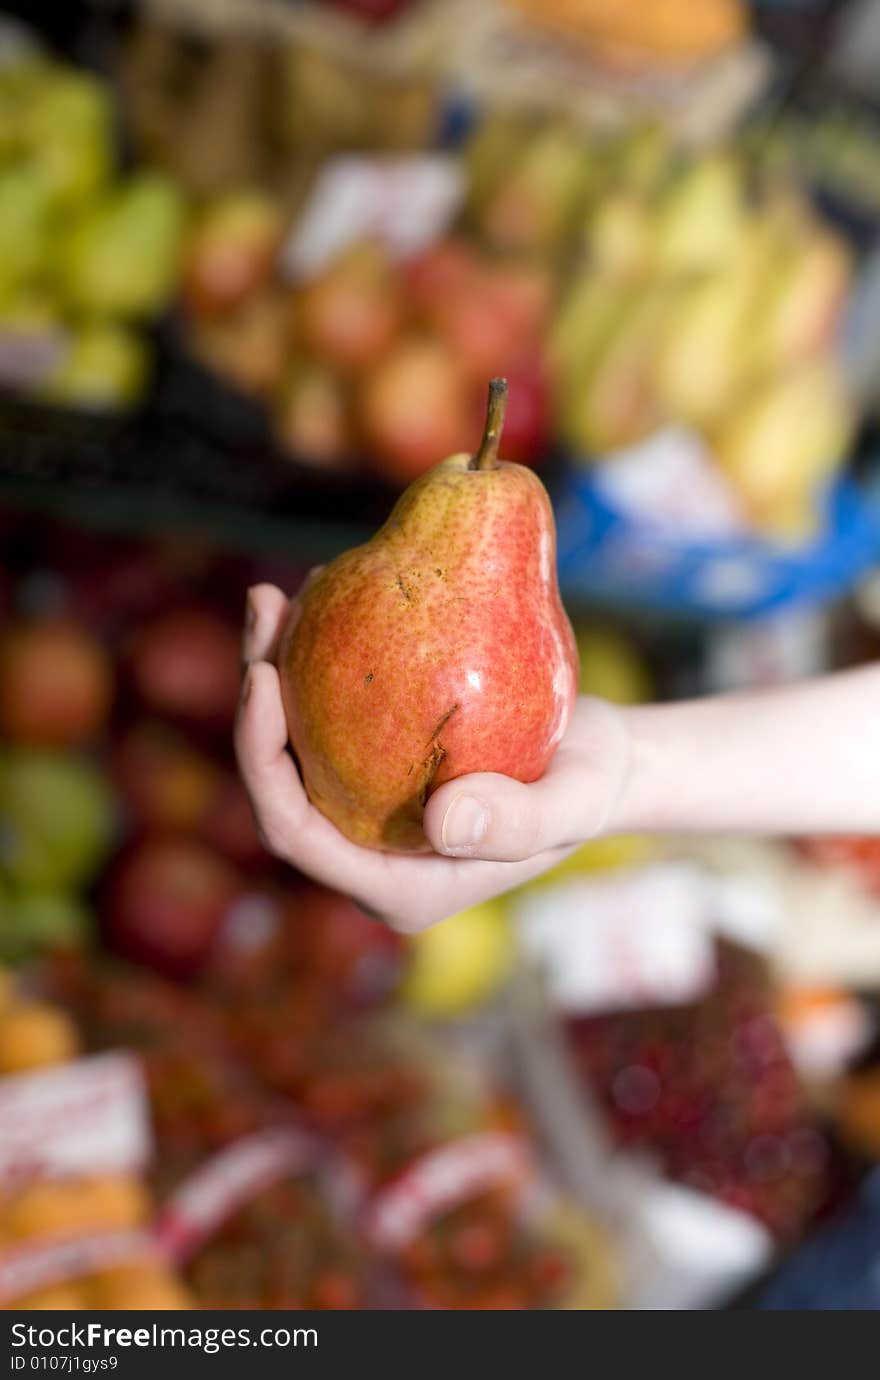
(641, 938)
(90, 1116)
(671, 483)
(406, 202)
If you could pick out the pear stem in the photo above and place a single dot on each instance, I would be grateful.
(486, 457)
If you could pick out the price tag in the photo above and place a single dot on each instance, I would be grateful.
(671, 483)
(640, 938)
(406, 202)
(87, 1117)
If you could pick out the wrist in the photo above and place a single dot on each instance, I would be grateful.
(629, 808)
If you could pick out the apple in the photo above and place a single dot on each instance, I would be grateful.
(444, 269)
(351, 312)
(186, 663)
(490, 320)
(413, 409)
(109, 585)
(36, 921)
(231, 252)
(56, 684)
(165, 783)
(165, 902)
(342, 946)
(57, 820)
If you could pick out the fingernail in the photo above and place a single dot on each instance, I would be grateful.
(464, 824)
(246, 685)
(250, 613)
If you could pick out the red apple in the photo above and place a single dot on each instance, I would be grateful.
(166, 901)
(414, 409)
(343, 947)
(231, 252)
(445, 269)
(351, 312)
(492, 319)
(165, 783)
(56, 684)
(186, 663)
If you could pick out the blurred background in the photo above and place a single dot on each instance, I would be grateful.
(258, 259)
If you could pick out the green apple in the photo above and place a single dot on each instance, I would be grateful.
(36, 920)
(57, 820)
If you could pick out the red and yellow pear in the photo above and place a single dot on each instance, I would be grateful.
(437, 649)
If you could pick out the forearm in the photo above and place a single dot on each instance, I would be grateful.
(800, 759)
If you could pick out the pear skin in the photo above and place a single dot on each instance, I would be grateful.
(438, 648)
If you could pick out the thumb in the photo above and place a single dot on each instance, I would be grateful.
(494, 817)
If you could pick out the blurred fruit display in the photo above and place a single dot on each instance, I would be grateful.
(700, 304)
(642, 36)
(385, 1102)
(622, 283)
(57, 813)
(56, 685)
(71, 1235)
(623, 286)
(710, 1090)
(460, 963)
(281, 1250)
(370, 357)
(89, 255)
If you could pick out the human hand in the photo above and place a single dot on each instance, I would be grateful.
(489, 832)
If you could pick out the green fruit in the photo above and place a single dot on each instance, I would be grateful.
(122, 257)
(21, 83)
(701, 217)
(39, 920)
(533, 207)
(106, 367)
(56, 820)
(25, 226)
(69, 131)
(459, 963)
(615, 404)
(610, 666)
(593, 306)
